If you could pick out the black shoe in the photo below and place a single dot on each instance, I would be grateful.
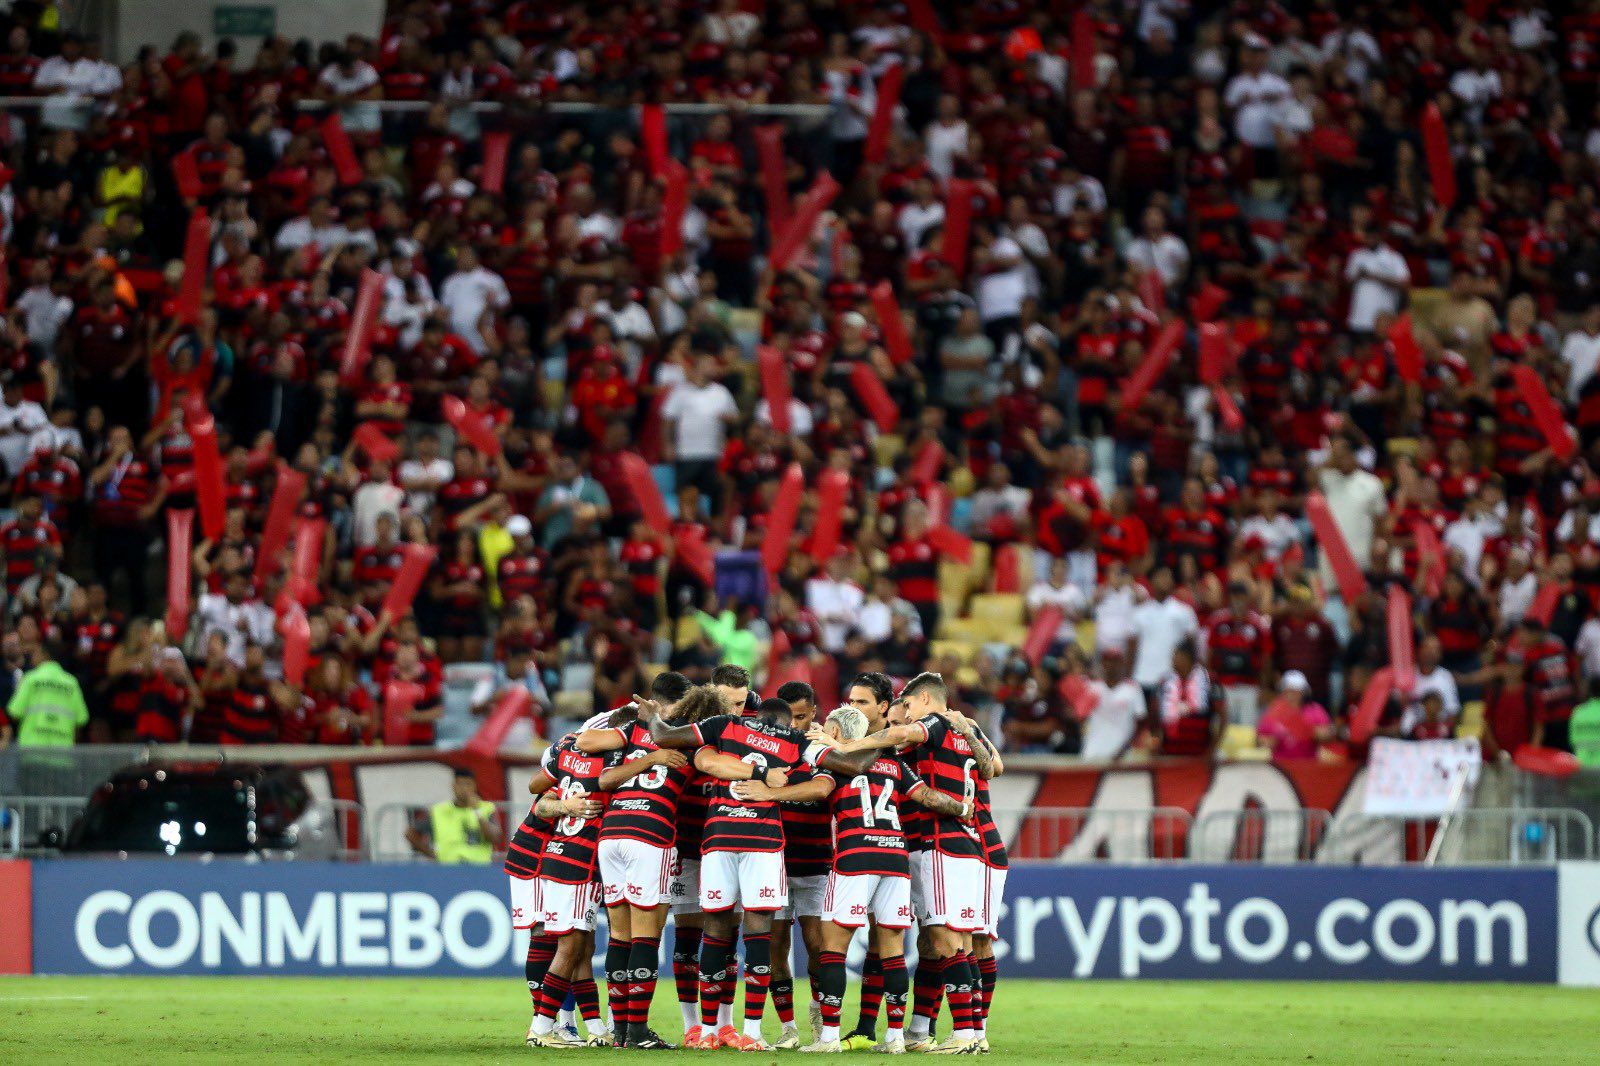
(642, 1038)
(622, 1036)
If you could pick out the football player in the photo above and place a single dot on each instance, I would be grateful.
(808, 859)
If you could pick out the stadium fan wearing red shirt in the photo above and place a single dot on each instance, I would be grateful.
(26, 541)
(1193, 528)
(914, 566)
(52, 477)
(1551, 673)
(1303, 640)
(127, 494)
(742, 852)
(1238, 649)
(170, 695)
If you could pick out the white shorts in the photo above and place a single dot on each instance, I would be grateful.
(754, 880)
(632, 871)
(568, 907)
(684, 887)
(952, 891)
(525, 904)
(996, 904)
(805, 897)
(853, 898)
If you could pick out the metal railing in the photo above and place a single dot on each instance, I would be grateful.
(25, 819)
(1258, 835)
(389, 823)
(1090, 834)
(1516, 836)
(333, 829)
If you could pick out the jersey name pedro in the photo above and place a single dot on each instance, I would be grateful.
(867, 819)
(646, 807)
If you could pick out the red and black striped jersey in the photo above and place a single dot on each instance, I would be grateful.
(733, 824)
(693, 807)
(527, 843)
(867, 832)
(645, 808)
(807, 835)
(944, 760)
(249, 717)
(569, 854)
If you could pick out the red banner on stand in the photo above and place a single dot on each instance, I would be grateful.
(196, 266)
(833, 492)
(674, 202)
(340, 151)
(796, 233)
(286, 496)
(1407, 352)
(891, 323)
(646, 492)
(1402, 642)
(378, 445)
(180, 549)
(296, 646)
(496, 145)
(209, 491)
(358, 337)
(1083, 50)
(775, 386)
(1042, 633)
(1436, 147)
(653, 136)
(1138, 384)
(889, 86)
(514, 704)
(781, 522)
(1369, 712)
(186, 172)
(414, 566)
(947, 541)
(1352, 580)
(774, 183)
(472, 427)
(869, 386)
(399, 700)
(928, 463)
(1557, 433)
(957, 224)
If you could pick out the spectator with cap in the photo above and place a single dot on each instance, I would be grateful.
(1295, 724)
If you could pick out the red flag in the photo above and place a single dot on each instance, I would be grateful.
(337, 141)
(1213, 352)
(1545, 412)
(363, 320)
(775, 387)
(186, 172)
(399, 697)
(180, 548)
(416, 559)
(1352, 581)
(1228, 411)
(1208, 301)
(883, 113)
(922, 17)
(1138, 383)
(1083, 50)
(306, 566)
(476, 429)
(948, 542)
(496, 144)
(653, 136)
(890, 323)
(797, 230)
(196, 264)
(1545, 601)
(1431, 560)
(296, 645)
(207, 467)
(780, 523)
(1546, 762)
(1402, 648)
(1436, 146)
(674, 202)
(378, 445)
(1152, 290)
(1081, 696)
(774, 185)
(957, 223)
(869, 386)
(833, 491)
(514, 704)
(286, 497)
(1369, 712)
(937, 502)
(929, 461)
(1042, 633)
(636, 472)
(696, 554)
(1407, 353)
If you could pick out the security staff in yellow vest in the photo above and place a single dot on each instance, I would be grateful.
(461, 829)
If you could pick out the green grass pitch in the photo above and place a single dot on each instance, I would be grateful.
(168, 1019)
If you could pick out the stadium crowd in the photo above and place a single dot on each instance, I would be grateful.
(1254, 163)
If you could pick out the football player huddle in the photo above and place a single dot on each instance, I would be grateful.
(748, 821)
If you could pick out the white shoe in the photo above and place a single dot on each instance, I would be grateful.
(983, 1045)
(789, 1040)
(555, 1038)
(953, 1046)
(890, 1047)
(923, 1043)
(816, 1019)
(823, 1047)
(601, 1039)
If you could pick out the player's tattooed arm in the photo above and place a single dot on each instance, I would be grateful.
(620, 775)
(983, 759)
(939, 803)
(551, 807)
(662, 732)
(895, 736)
(849, 763)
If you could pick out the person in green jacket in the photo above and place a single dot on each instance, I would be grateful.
(461, 828)
(739, 646)
(47, 707)
(1585, 729)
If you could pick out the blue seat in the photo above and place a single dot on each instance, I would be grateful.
(667, 482)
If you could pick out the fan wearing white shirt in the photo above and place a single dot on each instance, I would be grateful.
(1156, 249)
(1581, 351)
(1109, 730)
(1378, 278)
(836, 602)
(1256, 96)
(469, 294)
(1160, 624)
(698, 412)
